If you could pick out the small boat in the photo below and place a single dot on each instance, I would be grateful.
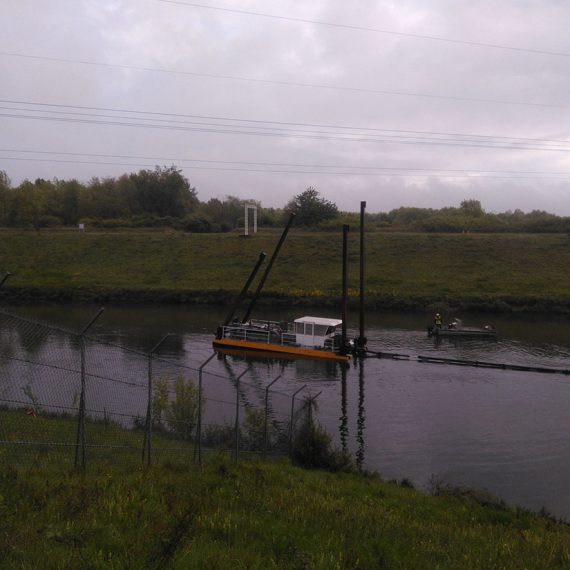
(456, 330)
(306, 337)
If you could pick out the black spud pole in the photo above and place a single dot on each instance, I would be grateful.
(345, 230)
(362, 337)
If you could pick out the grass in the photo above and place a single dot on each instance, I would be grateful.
(500, 271)
(256, 515)
(50, 440)
(118, 514)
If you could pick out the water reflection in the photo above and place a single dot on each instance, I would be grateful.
(361, 416)
(343, 428)
(233, 376)
(439, 342)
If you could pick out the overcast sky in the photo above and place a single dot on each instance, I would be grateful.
(399, 103)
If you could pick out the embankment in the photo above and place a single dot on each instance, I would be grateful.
(490, 272)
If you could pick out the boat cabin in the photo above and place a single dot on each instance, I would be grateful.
(316, 331)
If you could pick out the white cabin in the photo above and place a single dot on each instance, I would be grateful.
(314, 331)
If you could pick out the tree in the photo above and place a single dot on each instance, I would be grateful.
(5, 198)
(227, 213)
(407, 216)
(27, 205)
(71, 192)
(472, 208)
(164, 192)
(111, 198)
(5, 183)
(311, 209)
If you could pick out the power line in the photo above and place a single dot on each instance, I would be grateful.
(288, 171)
(278, 123)
(299, 135)
(280, 164)
(368, 29)
(289, 83)
(259, 129)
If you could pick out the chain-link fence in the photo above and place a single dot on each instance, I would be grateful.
(72, 399)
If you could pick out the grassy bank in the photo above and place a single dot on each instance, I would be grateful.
(255, 515)
(410, 271)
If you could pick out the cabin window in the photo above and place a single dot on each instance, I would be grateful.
(321, 330)
(306, 328)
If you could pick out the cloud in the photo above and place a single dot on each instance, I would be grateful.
(512, 101)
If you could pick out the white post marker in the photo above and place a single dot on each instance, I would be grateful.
(246, 225)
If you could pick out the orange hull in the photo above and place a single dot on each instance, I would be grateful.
(278, 350)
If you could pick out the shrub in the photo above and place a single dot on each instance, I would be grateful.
(159, 402)
(196, 223)
(222, 436)
(182, 412)
(178, 415)
(312, 449)
(253, 429)
(47, 221)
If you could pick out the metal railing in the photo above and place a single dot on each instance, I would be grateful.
(272, 333)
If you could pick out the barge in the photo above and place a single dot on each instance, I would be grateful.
(307, 337)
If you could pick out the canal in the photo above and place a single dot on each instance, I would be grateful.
(501, 430)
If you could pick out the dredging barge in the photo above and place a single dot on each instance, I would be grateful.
(306, 337)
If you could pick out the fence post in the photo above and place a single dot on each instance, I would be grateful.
(292, 415)
(265, 424)
(236, 453)
(311, 403)
(198, 444)
(81, 438)
(146, 451)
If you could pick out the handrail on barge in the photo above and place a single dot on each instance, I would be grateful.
(274, 333)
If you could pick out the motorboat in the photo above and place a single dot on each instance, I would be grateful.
(455, 329)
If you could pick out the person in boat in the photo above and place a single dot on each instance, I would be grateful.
(437, 321)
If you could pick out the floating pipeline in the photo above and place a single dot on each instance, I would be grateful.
(470, 363)
(492, 365)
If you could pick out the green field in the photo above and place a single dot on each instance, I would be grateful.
(413, 271)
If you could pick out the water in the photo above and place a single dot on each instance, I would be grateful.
(505, 431)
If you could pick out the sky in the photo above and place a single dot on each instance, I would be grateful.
(398, 103)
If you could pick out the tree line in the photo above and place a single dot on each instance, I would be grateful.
(164, 197)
